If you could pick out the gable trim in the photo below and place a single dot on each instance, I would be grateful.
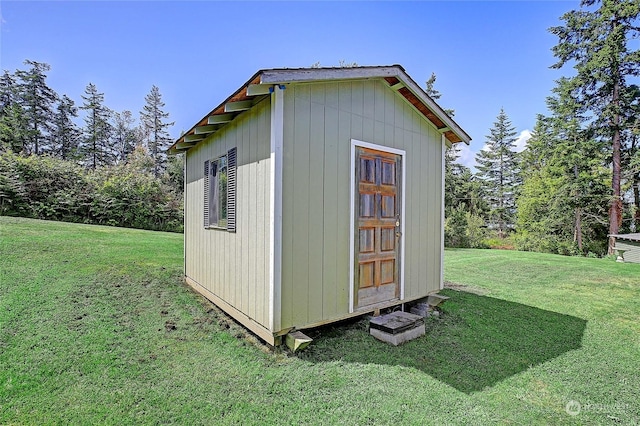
(264, 82)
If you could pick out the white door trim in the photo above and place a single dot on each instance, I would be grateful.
(352, 220)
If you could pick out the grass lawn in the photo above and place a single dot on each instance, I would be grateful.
(96, 327)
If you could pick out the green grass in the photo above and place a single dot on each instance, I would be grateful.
(96, 327)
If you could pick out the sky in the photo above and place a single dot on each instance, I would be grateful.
(487, 55)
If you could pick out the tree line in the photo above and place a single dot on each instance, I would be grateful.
(34, 119)
(576, 182)
(85, 163)
(578, 179)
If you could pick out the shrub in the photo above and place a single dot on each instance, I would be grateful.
(464, 229)
(125, 195)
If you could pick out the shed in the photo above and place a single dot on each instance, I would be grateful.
(627, 246)
(314, 195)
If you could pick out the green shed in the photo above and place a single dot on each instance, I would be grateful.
(314, 195)
(627, 246)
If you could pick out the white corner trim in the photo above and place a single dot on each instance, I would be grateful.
(275, 216)
(352, 224)
(444, 153)
(402, 221)
(184, 222)
(352, 220)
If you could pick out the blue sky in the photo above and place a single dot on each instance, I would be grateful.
(487, 55)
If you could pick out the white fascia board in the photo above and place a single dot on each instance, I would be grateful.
(275, 214)
(320, 74)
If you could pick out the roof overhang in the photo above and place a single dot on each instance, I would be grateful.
(629, 237)
(261, 85)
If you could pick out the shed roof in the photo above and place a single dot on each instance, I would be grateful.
(262, 82)
(630, 237)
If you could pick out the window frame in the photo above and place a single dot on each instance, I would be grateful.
(218, 196)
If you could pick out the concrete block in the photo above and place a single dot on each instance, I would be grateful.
(397, 328)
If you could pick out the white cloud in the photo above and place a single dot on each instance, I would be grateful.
(521, 142)
(467, 157)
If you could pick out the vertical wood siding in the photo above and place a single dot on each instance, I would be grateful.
(234, 266)
(632, 253)
(320, 121)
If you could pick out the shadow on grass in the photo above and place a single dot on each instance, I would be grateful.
(478, 342)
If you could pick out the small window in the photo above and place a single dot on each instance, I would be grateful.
(220, 192)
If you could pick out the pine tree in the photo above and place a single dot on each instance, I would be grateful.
(632, 160)
(125, 135)
(66, 135)
(462, 199)
(535, 156)
(37, 101)
(453, 152)
(498, 170)
(577, 155)
(435, 94)
(155, 127)
(96, 146)
(598, 45)
(7, 90)
(13, 121)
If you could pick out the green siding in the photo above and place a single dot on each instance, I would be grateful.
(632, 253)
(320, 121)
(234, 266)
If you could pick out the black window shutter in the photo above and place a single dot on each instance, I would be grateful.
(231, 190)
(206, 193)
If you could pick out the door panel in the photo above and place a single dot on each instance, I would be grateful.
(377, 227)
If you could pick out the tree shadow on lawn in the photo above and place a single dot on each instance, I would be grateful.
(478, 342)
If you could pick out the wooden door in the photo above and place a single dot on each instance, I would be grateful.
(377, 230)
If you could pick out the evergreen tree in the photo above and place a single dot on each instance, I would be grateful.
(153, 119)
(37, 101)
(66, 135)
(535, 156)
(435, 94)
(597, 42)
(632, 160)
(7, 90)
(562, 199)
(463, 202)
(13, 122)
(578, 156)
(96, 146)
(498, 170)
(124, 134)
(453, 152)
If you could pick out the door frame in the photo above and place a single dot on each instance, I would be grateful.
(352, 220)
